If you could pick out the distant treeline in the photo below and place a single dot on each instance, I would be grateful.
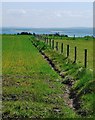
(56, 34)
(24, 33)
(52, 35)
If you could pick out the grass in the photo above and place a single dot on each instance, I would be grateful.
(31, 88)
(81, 44)
(0, 75)
(0, 55)
(82, 89)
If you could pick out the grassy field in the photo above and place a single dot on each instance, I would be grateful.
(0, 55)
(0, 75)
(31, 88)
(81, 44)
(80, 79)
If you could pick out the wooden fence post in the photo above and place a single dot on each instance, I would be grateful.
(85, 58)
(61, 47)
(75, 55)
(52, 44)
(47, 41)
(67, 50)
(57, 46)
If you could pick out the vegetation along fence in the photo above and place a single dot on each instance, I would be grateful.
(55, 45)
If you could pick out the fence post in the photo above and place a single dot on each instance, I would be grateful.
(52, 44)
(75, 55)
(61, 47)
(47, 41)
(57, 46)
(85, 58)
(67, 50)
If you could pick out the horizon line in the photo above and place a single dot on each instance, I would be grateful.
(42, 27)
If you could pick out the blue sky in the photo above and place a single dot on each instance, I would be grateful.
(48, 14)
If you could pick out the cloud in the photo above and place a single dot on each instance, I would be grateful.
(16, 12)
(46, 17)
(59, 15)
(75, 14)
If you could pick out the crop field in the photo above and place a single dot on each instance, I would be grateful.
(81, 44)
(31, 88)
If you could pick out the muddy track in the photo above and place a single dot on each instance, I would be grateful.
(69, 97)
(66, 95)
(67, 100)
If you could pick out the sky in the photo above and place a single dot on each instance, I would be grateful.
(47, 14)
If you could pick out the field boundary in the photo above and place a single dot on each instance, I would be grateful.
(51, 43)
(70, 81)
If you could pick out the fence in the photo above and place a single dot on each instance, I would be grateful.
(55, 45)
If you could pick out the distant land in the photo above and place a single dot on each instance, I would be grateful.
(77, 31)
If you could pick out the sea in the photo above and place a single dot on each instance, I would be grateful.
(78, 32)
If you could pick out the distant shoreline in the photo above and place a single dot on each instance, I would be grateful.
(77, 31)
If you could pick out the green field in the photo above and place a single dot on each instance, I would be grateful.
(0, 75)
(82, 89)
(81, 44)
(31, 88)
